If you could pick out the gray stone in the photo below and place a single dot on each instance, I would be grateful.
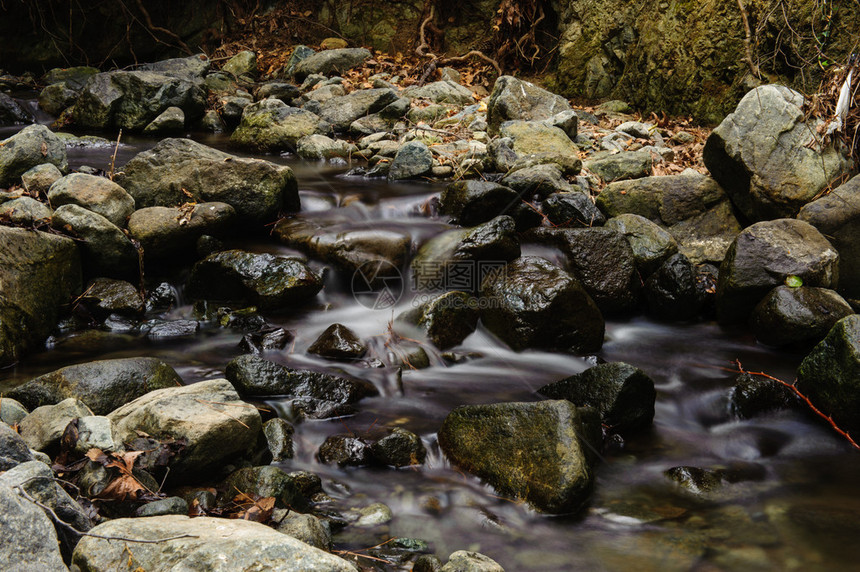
(11, 112)
(11, 411)
(305, 527)
(26, 211)
(97, 194)
(534, 138)
(514, 99)
(286, 92)
(753, 395)
(232, 108)
(96, 432)
(538, 180)
(341, 111)
(344, 450)
(327, 62)
(672, 291)
(55, 98)
(13, 448)
(621, 166)
(399, 448)
(105, 296)
(170, 505)
(243, 63)
(441, 92)
(792, 315)
(338, 342)
(165, 232)
(279, 436)
(43, 427)
(413, 159)
(473, 202)
(467, 561)
(29, 538)
(573, 208)
(105, 249)
(651, 244)
(39, 179)
(271, 125)
(322, 147)
(445, 320)
(32, 146)
(171, 120)
(567, 121)
(267, 481)
(75, 77)
(211, 122)
(192, 68)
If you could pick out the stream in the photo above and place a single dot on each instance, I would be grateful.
(794, 505)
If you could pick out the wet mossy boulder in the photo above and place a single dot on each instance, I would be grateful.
(279, 438)
(532, 303)
(539, 180)
(32, 146)
(102, 385)
(398, 448)
(267, 281)
(342, 110)
(473, 202)
(446, 319)
(243, 63)
(766, 253)
(539, 452)
(344, 450)
(266, 481)
(651, 244)
(571, 209)
(105, 296)
(11, 112)
(830, 374)
(795, 315)
(622, 394)
(515, 99)
(26, 212)
(754, 395)
(672, 292)
(168, 232)
(272, 125)
(338, 342)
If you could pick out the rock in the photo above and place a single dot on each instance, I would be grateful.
(264, 280)
(267, 481)
(97, 194)
(620, 166)
(344, 450)
(321, 147)
(161, 329)
(305, 527)
(243, 63)
(837, 216)
(413, 159)
(370, 516)
(651, 244)
(671, 291)
(534, 304)
(623, 395)
(759, 154)
(465, 561)
(441, 92)
(341, 111)
(165, 232)
(534, 138)
(567, 121)
(571, 209)
(473, 202)
(215, 425)
(279, 437)
(331, 61)
(252, 375)
(214, 544)
(39, 179)
(514, 99)
(170, 505)
(105, 249)
(29, 538)
(132, 99)
(538, 180)
(286, 92)
(534, 451)
(11, 412)
(753, 395)
(192, 68)
(171, 120)
(13, 448)
(791, 315)
(271, 125)
(257, 190)
(446, 320)
(40, 274)
(601, 259)
(75, 77)
(338, 342)
(299, 53)
(232, 108)
(102, 385)
(211, 122)
(96, 432)
(106, 296)
(763, 256)
(30, 147)
(11, 112)
(44, 426)
(695, 479)
(400, 448)
(25, 211)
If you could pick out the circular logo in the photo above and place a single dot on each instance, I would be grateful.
(377, 284)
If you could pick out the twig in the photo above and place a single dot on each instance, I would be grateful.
(423, 45)
(113, 157)
(748, 40)
(476, 54)
(164, 31)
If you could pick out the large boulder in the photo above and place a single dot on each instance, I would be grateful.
(176, 171)
(535, 139)
(202, 543)
(672, 291)
(341, 111)
(132, 99)
(44, 426)
(837, 216)
(621, 166)
(515, 99)
(413, 159)
(265, 280)
(105, 249)
(533, 451)
(763, 256)
(327, 62)
(32, 146)
(830, 375)
(97, 194)
(29, 539)
(532, 303)
(791, 315)
(651, 244)
(192, 68)
(40, 273)
(272, 125)
(208, 416)
(767, 157)
(446, 320)
(445, 91)
(102, 385)
(13, 448)
(165, 232)
(472, 202)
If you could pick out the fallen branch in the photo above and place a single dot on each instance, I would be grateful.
(475, 54)
(748, 40)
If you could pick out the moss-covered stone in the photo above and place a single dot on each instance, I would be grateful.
(267, 481)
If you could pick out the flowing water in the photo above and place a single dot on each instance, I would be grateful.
(794, 505)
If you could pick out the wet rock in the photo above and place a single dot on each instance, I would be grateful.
(400, 448)
(11, 112)
(623, 395)
(466, 561)
(763, 256)
(370, 516)
(232, 108)
(105, 249)
(341, 111)
(533, 303)
(171, 120)
(170, 505)
(571, 209)
(754, 395)
(427, 563)
(271, 125)
(446, 319)
(322, 147)
(192, 68)
(651, 244)
(279, 436)
(344, 450)
(441, 92)
(75, 77)
(211, 122)
(837, 216)
(29, 539)
(671, 291)
(286, 92)
(13, 448)
(540, 180)
(305, 527)
(97, 194)
(514, 99)
(267, 481)
(830, 374)
(165, 232)
(601, 259)
(165, 329)
(792, 315)
(693, 207)
(338, 342)
(26, 211)
(327, 62)
(208, 416)
(40, 273)
(413, 159)
(105, 296)
(472, 202)
(252, 375)
(266, 339)
(534, 451)
(208, 542)
(265, 280)
(11, 411)
(759, 154)
(243, 63)
(257, 190)
(32, 146)
(44, 426)
(39, 179)
(696, 479)
(620, 166)
(534, 138)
